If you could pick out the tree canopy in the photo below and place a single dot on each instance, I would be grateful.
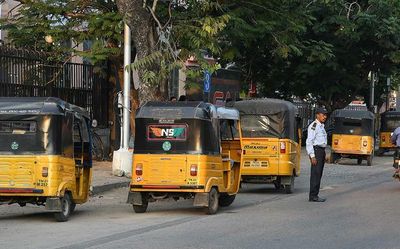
(322, 50)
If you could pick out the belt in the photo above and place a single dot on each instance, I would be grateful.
(319, 147)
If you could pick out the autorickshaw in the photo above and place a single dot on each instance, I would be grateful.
(45, 154)
(353, 135)
(185, 150)
(390, 120)
(270, 141)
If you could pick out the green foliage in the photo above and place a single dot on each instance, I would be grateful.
(336, 45)
(320, 48)
(69, 24)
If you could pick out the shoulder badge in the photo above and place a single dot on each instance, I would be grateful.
(314, 125)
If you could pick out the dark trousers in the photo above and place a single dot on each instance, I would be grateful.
(396, 156)
(316, 171)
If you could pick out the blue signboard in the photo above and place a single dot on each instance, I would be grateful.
(207, 81)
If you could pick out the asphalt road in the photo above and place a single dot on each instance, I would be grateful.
(362, 211)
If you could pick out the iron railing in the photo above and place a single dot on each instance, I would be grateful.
(25, 73)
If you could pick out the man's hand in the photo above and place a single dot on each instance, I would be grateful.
(313, 161)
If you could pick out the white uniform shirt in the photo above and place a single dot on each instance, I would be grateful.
(316, 137)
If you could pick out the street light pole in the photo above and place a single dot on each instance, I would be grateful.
(122, 158)
(371, 102)
(127, 86)
(388, 93)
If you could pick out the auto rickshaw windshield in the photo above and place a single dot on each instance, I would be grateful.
(258, 126)
(177, 128)
(390, 123)
(349, 122)
(267, 118)
(29, 134)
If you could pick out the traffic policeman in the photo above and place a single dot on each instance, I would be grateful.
(395, 139)
(315, 145)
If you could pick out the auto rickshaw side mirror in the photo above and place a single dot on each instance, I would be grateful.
(94, 123)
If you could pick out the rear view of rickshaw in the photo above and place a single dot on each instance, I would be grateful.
(185, 150)
(390, 120)
(353, 136)
(271, 142)
(45, 154)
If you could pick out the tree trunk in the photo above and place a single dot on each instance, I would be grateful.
(144, 38)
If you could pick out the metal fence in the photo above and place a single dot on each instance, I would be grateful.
(26, 73)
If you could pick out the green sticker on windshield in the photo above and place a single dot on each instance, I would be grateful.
(14, 145)
(166, 146)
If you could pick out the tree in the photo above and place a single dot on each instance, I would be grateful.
(66, 25)
(61, 27)
(166, 34)
(343, 42)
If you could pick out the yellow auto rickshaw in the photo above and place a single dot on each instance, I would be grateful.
(185, 150)
(45, 154)
(271, 142)
(390, 120)
(353, 135)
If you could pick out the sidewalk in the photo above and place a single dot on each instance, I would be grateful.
(103, 180)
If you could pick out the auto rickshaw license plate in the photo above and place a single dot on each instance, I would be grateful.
(255, 164)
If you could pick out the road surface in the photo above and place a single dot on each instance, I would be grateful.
(362, 211)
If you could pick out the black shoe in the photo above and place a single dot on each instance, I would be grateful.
(316, 199)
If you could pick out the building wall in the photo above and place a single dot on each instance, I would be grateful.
(4, 12)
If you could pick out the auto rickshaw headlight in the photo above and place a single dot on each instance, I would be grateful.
(193, 170)
(139, 169)
(45, 171)
(336, 141)
(365, 143)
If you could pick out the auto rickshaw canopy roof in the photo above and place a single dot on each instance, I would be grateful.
(38, 106)
(185, 110)
(354, 122)
(390, 114)
(281, 116)
(228, 113)
(354, 114)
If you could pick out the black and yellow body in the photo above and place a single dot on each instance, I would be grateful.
(271, 142)
(353, 135)
(186, 150)
(45, 154)
(390, 120)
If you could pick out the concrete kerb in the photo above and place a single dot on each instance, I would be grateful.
(99, 189)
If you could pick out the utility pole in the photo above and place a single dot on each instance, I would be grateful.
(388, 93)
(127, 86)
(372, 97)
(122, 158)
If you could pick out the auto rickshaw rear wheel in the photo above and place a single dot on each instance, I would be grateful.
(369, 160)
(213, 201)
(141, 208)
(289, 187)
(226, 200)
(278, 183)
(66, 208)
(73, 206)
(334, 158)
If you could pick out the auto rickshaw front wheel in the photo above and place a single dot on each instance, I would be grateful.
(213, 202)
(66, 208)
(226, 200)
